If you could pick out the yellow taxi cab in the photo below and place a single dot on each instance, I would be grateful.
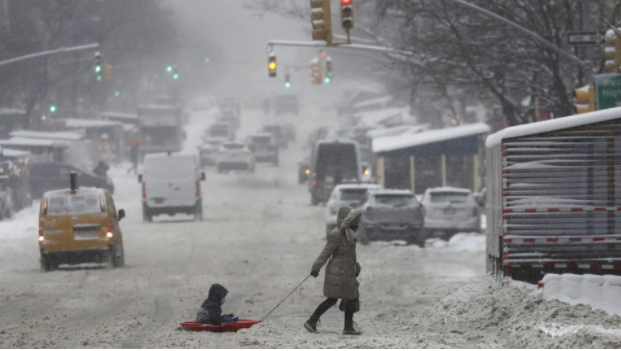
(79, 225)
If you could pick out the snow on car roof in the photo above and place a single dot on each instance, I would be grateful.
(262, 135)
(392, 192)
(553, 125)
(357, 186)
(447, 189)
(46, 135)
(118, 114)
(165, 154)
(428, 137)
(80, 190)
(17, 141)
(86, 123)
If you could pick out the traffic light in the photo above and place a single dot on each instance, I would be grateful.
(287, 81)
(98, 66)
(175, 72)
(321, 20)
(169, 69)
(585, 99)
(316, 74)
(347, 14)
(612, 51)
(107, 73)
(328, 77)
(271, 65)
(52, 108)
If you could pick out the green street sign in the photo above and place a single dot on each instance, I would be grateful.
(608, 90)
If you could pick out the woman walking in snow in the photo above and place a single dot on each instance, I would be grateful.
(343, 268)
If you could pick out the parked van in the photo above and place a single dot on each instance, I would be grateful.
(333, 162)
(170, 185)
(79, 225)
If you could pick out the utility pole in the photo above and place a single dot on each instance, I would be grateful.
(587, 50)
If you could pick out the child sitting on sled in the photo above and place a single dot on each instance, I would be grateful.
(210, 311)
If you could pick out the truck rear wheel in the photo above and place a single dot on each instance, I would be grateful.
(46, 263)
(198, 213)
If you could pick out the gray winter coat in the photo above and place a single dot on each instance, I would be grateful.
(340, 253)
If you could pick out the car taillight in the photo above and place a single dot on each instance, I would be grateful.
(144, 190)
(198, 188)
(314, 183)
(41, 234)
(247, 152)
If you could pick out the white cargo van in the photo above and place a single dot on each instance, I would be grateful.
(170, 185)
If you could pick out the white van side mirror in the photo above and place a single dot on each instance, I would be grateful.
(203, 177)
(140, 178)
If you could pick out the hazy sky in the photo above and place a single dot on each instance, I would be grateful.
(235, 30)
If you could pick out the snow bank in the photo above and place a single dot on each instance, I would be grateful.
(599, 292)
(471, 242)
(20, 248)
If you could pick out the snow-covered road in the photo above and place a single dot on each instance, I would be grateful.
(259, 239)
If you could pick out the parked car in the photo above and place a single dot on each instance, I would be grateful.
(53, 176)
(264, 148)
(282, 140)
(231, 117)
(208, 152)
(79, 225)
(219, 130)
(287, 103)
(345, 195)
(171, 185)
(289, 130)
(230, 104)
(450, 210)
(6, 198)
(235, 156)
(318, 134)
(304, 170)
(392, 215)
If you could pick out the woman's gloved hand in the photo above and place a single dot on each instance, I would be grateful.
(314, 274)
(231, 319)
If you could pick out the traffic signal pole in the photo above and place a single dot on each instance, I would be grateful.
(585, 64)
(49, 52)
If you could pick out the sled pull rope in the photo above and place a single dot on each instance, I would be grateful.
(283, 300)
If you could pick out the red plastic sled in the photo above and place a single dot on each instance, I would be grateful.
(223, 327)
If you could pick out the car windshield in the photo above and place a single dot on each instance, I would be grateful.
(233, 146)
(261, 140)
(353, 194)
(73, 204)
(276, 130)
(218, 133)
(452, 197)
(394, 200)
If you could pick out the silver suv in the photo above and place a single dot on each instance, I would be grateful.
(392, 215)
(264, 147)
(450, 210)
(235, 156)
